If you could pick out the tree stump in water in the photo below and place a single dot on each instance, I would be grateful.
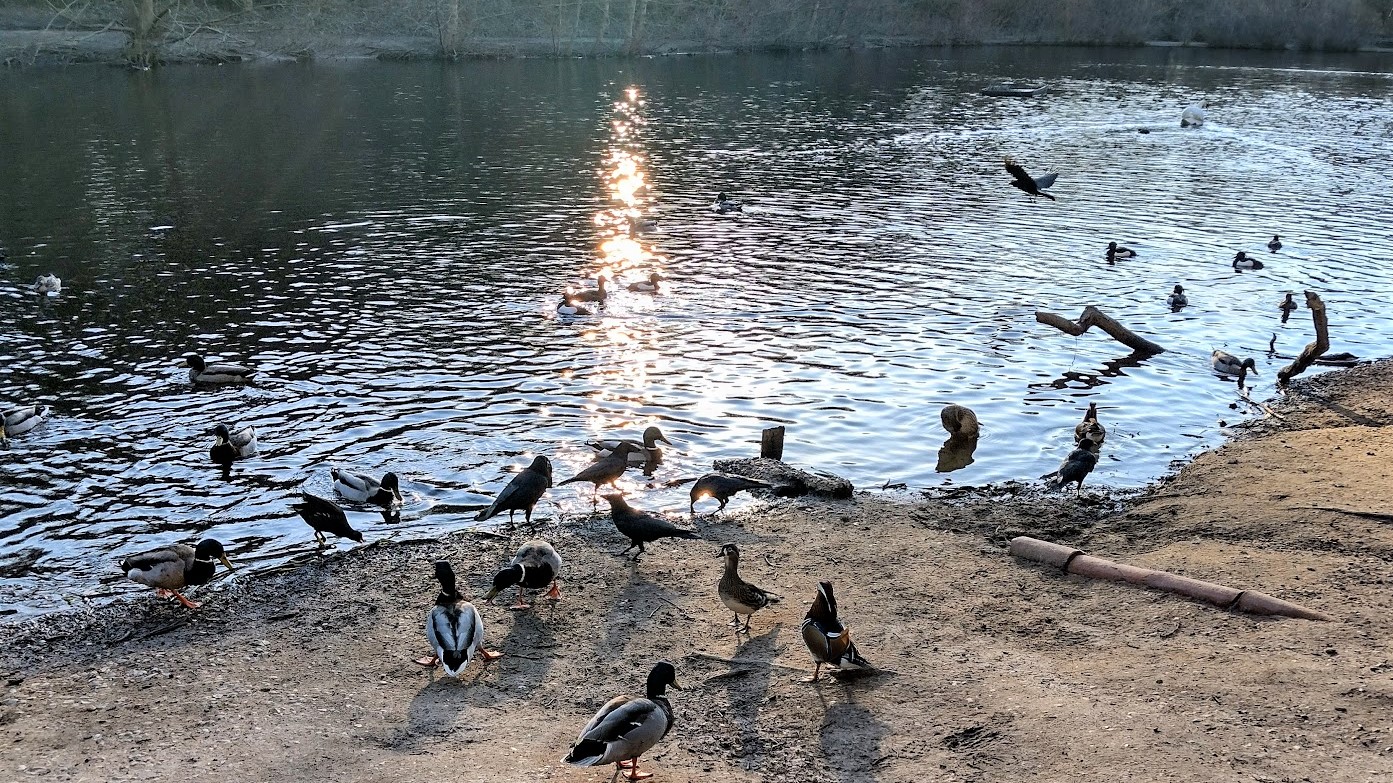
(1092, 316)
(1315, 349)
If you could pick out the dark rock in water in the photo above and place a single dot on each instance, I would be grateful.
(787, 480)
(19, 564)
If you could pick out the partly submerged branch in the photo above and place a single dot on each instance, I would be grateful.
(1092, 316)
(1314, 350)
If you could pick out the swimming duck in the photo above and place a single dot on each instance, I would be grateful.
(642, 527)
(627, 727)
(960, 421)
(361, 488)
(1075, 467)
(1245, 261)
(1194, 115)
(567, 307)
(454, 628)
(596, 294)
(522, 493)
(172, 568)
(535, 565)
(325, 516)
(232, 445)
(639, 451)
(1035, 186)
(19, 419)
(1226, 363)
(605, 470)
(1117, 251)
(1288, 304)
(828, 640)
(649, 286)
(1275, 244)
(641, 225)
(1177, 297)
(725, 205)
(1089, 429)
(48, 285)
(721, 487)
(202, 372)
(740, 596)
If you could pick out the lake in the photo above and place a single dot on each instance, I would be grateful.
(387, 242)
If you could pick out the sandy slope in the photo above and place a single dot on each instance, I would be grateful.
(998, 671)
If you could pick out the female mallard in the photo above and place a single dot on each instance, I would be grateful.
(454, 628)
(1089, 429)
(725, 205)
(1245, 261)
(535, 565)
(232, 445)
(19, 419)
(567, 307)
(960, 421)
(639, 451)
(325, 516)
(1117, 251)
(627, 727)
(202, 372)
(596, 294)
(1275, 244)
(1288, 304)
(48, 284)
(828, 640)
(172, 568)
(1177, 297)
(1226, 363)
(649, 286)
(740, 596)
(361, 488)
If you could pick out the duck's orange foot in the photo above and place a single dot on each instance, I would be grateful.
(186, 602)
(555, 592)
(490, 655)
(429, 661)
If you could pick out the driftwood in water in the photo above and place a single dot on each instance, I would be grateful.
(771, 443)
(1092, 316)
(1074, 561)
(787, 480)
(1313, 350)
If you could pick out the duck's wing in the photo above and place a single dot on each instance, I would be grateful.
(624, 728)
(1047, 180)
(164, 567)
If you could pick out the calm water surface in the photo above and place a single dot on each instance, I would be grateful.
(386, 243)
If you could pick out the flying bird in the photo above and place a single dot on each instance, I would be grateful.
(1032, 185)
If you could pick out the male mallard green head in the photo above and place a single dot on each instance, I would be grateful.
(663, 675)
(446, 576)
(210, 548)
(196, 362)
(503, 580)
(392, 483)
(1250, 365)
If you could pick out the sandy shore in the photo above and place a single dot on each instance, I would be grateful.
(996, 670)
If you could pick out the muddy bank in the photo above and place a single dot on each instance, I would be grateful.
(996, 671)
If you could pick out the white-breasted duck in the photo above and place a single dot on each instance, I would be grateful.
(725, 205)
(19, 419)
(568, 307)
(649, 286)
(640, 451)
(1117, 251)
(740, 596)
(1245, 261)
(454, 628)
(358, 487)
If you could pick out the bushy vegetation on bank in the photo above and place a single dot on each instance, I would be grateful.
(154, 29)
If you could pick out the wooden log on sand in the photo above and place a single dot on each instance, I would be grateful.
(1074, 561)
(1092, 316)
(1313, 350)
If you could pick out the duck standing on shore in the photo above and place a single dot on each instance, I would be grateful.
(627, 727)
(170, 569)
(454, 628)
(535, 565)
(358, 487)
(740, 596)
(827, 639)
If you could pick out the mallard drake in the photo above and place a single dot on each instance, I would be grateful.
(960, 421)
(1075, 467)
(721, 487)
(522, 493)
(725, 205)
(649, 286)
(232, 445)
(48, 284)
(606, 469)
(19, 419)
(172, 568)
(454, 628)
(1226, 363)
(1245, 261)
(1194, 115)
(358, 487)
(596, 294)
(325, 516)
(1035, 186)
(641, 527)
(640, 451)
(1177, 297)
(627, 727)
(202, 372)
(740, 596)
(1117, 251)
(1089, 429)
(568, 307)
(828, 640)
(535, 565)
(1275, 244)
